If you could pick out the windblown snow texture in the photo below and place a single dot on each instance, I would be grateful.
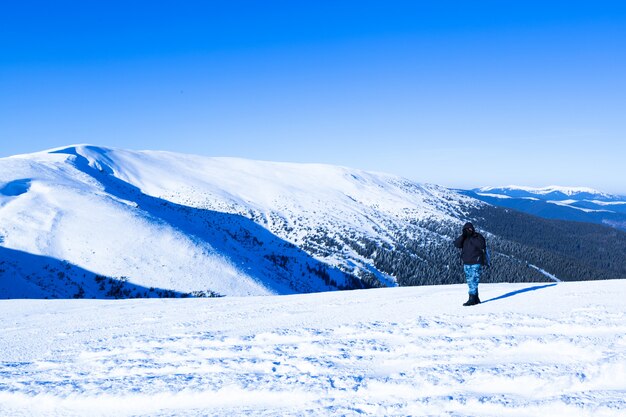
(555, 350)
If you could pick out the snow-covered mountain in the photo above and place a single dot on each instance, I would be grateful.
(88, 221)
(188, 223)
(553, 192)
(554, 202)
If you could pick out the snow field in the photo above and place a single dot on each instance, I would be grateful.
(529, 350)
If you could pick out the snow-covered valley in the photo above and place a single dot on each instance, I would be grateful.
(528, 350)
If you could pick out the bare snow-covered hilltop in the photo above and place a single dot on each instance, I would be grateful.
(85, 221)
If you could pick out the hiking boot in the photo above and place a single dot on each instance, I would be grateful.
(470, 301)
(473, 300)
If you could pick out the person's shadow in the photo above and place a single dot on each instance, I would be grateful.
(512, 293)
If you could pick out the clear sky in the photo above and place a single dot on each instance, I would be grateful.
(460, 94)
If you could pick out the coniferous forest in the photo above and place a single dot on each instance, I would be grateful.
(520, 244)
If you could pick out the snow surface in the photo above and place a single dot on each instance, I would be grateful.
(568, 203)
(529, 350)
(546, 273)
(65, 214)
(607, 203)
(503, 196)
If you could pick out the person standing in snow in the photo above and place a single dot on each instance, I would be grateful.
(473, 254)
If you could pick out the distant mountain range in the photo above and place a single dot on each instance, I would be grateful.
(564, 203)
(91, 222)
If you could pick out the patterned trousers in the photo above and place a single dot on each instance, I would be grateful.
(472, 275)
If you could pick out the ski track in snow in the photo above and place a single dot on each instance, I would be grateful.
(546, 273)
(548, 350)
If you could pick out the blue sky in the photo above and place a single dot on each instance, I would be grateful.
(461, 94)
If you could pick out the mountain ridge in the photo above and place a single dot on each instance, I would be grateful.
(550, 189)
(230, 226)
(564, 203)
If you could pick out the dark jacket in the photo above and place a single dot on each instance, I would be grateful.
(473, 248)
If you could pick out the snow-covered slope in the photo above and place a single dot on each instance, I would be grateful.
(276, 194)
(185, 223)
(62, 213)
(555, 350)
